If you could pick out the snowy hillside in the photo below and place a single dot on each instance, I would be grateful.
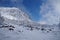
(13, 15)
(17, 25)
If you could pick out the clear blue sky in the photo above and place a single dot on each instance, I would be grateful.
(31, 6)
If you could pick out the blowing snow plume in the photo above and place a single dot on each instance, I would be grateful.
(50, 11)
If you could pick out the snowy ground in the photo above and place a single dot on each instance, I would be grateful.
(21, 33)
(14, 16)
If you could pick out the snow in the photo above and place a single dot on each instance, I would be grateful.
(22, 31)
(28, 35)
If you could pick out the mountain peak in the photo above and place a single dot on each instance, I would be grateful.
(11, 13)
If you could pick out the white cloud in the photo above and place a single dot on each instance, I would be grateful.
(50, 11)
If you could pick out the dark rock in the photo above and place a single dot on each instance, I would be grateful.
(19, 31)
(11, 26)
(50, 29)
(11, 29)
(31, 29)
(42, 29)
(37, 28)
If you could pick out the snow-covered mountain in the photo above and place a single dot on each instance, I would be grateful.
(17, 25)
(13, 15)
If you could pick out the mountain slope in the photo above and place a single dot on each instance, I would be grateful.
(13, 15)
(16, 25)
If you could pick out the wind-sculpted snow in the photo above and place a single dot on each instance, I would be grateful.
(18, 26)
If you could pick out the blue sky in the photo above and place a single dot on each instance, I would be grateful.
(31, 6)
(43, 11)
